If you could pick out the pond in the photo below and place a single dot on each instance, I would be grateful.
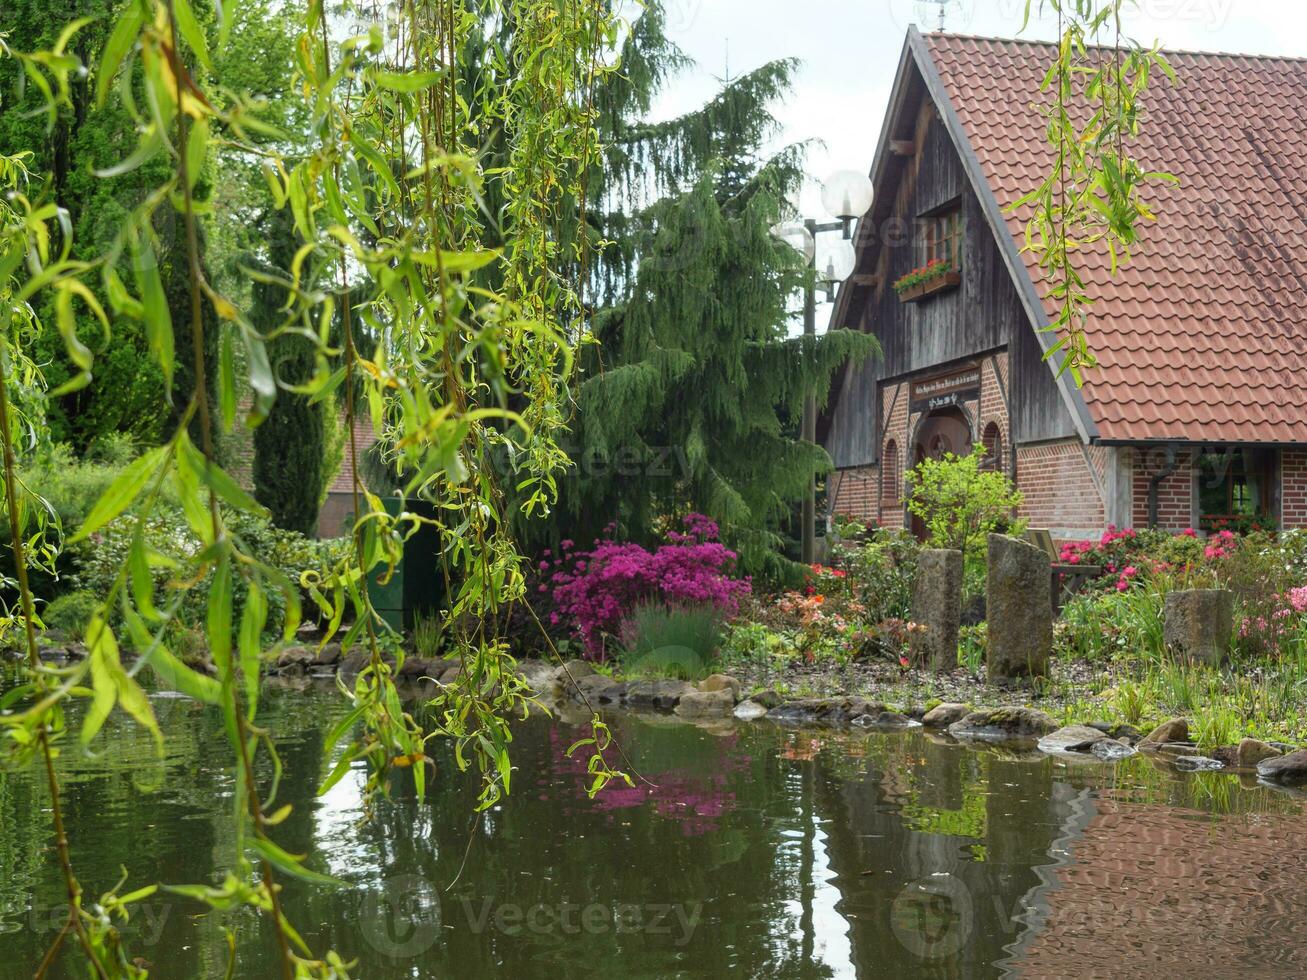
(747, 851)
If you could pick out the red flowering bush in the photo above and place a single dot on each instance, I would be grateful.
(1124, 556)
(595, 591)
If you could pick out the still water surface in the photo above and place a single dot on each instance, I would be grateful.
(751, 851)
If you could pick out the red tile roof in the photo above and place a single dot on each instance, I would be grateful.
(1203, 335)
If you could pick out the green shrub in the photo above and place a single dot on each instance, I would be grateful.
(879, 572)
(672, 641)
(961, 503)
(70, 613)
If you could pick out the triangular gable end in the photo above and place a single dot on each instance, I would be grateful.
(916, 55)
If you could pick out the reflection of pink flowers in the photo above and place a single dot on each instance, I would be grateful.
(696, 801)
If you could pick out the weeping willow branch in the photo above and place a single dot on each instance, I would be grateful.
(1094, 196)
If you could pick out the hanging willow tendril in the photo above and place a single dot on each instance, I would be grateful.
(451, 327)
(1093, 197)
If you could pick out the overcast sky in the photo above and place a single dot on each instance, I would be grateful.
(850, 49)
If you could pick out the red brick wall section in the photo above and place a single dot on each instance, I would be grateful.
(1175, 494)
(895, 426)
(1293, 488)
(993, 407)
(1060, 492)
(854, 492)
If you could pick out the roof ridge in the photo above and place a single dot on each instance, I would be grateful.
(932, 37)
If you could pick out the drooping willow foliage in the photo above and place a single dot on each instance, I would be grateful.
(449, 325)
(1094, 195)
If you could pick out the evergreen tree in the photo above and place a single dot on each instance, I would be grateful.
(691, 396)
(291, 463)
(289, 444)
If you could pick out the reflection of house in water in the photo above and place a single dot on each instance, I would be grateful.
(1156, 891)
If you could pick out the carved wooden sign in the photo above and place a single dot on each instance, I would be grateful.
(946, 390)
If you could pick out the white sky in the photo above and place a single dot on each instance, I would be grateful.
(850, 50)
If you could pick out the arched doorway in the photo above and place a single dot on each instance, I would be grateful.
(945, 430)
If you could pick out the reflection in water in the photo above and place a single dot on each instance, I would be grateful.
(744, 851)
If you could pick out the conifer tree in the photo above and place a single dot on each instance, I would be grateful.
(691, 395)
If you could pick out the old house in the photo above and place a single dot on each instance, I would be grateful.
(1197, 410)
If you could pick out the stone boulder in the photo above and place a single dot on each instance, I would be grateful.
(661, 694)
(768, 698)
(1197, 625)
(1110, 750)
(1073, 738)
(823, 711)
(293, 657)
(999, 724)
(1019, 604)
(937, 606)
(1291, 768)
(1175, 730)
(573, 670)
(887, 720)
(328, 656)
(750, 711)
(539, 675)
(594, 689)
(721, 682)
(1198, 763)
(943, 715)
(1250, 753)
(707, 704)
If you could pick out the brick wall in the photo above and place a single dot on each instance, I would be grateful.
(1293, 488)
(993, 405)
(853, 492)
(1175, 494)
(1060, 491)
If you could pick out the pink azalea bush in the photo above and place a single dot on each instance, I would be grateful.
(1126, 556)
(595, 591)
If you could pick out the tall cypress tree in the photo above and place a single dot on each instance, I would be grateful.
(289, 444)
(691, 397)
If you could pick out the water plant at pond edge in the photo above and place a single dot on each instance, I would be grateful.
(414, 315)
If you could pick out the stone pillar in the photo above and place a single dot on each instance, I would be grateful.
(1019, 609)
(1197, 625)
(937, 605)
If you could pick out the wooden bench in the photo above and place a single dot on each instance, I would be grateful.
(1067, 579)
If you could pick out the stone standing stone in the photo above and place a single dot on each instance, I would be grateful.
(1019, 604)
(937, 606)
(1197, 624)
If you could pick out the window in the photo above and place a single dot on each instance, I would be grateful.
(944, 237)
(992, 440)
(890, 478)
(1234, 486)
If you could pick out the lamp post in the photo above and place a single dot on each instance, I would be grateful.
(846, 196)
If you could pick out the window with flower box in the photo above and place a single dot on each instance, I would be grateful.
(940, 252)
(944, 238)
(1235, 488)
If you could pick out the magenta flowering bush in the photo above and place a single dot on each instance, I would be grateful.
(595, 591)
